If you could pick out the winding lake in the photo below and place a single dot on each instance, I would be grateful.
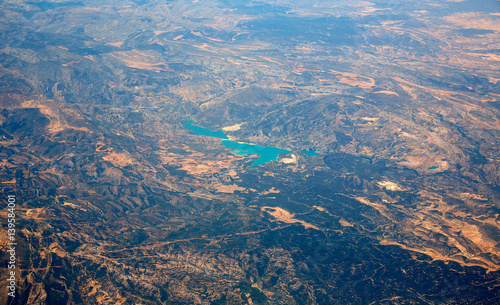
(266, 153)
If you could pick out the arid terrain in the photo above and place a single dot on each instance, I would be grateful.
(390, 109)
